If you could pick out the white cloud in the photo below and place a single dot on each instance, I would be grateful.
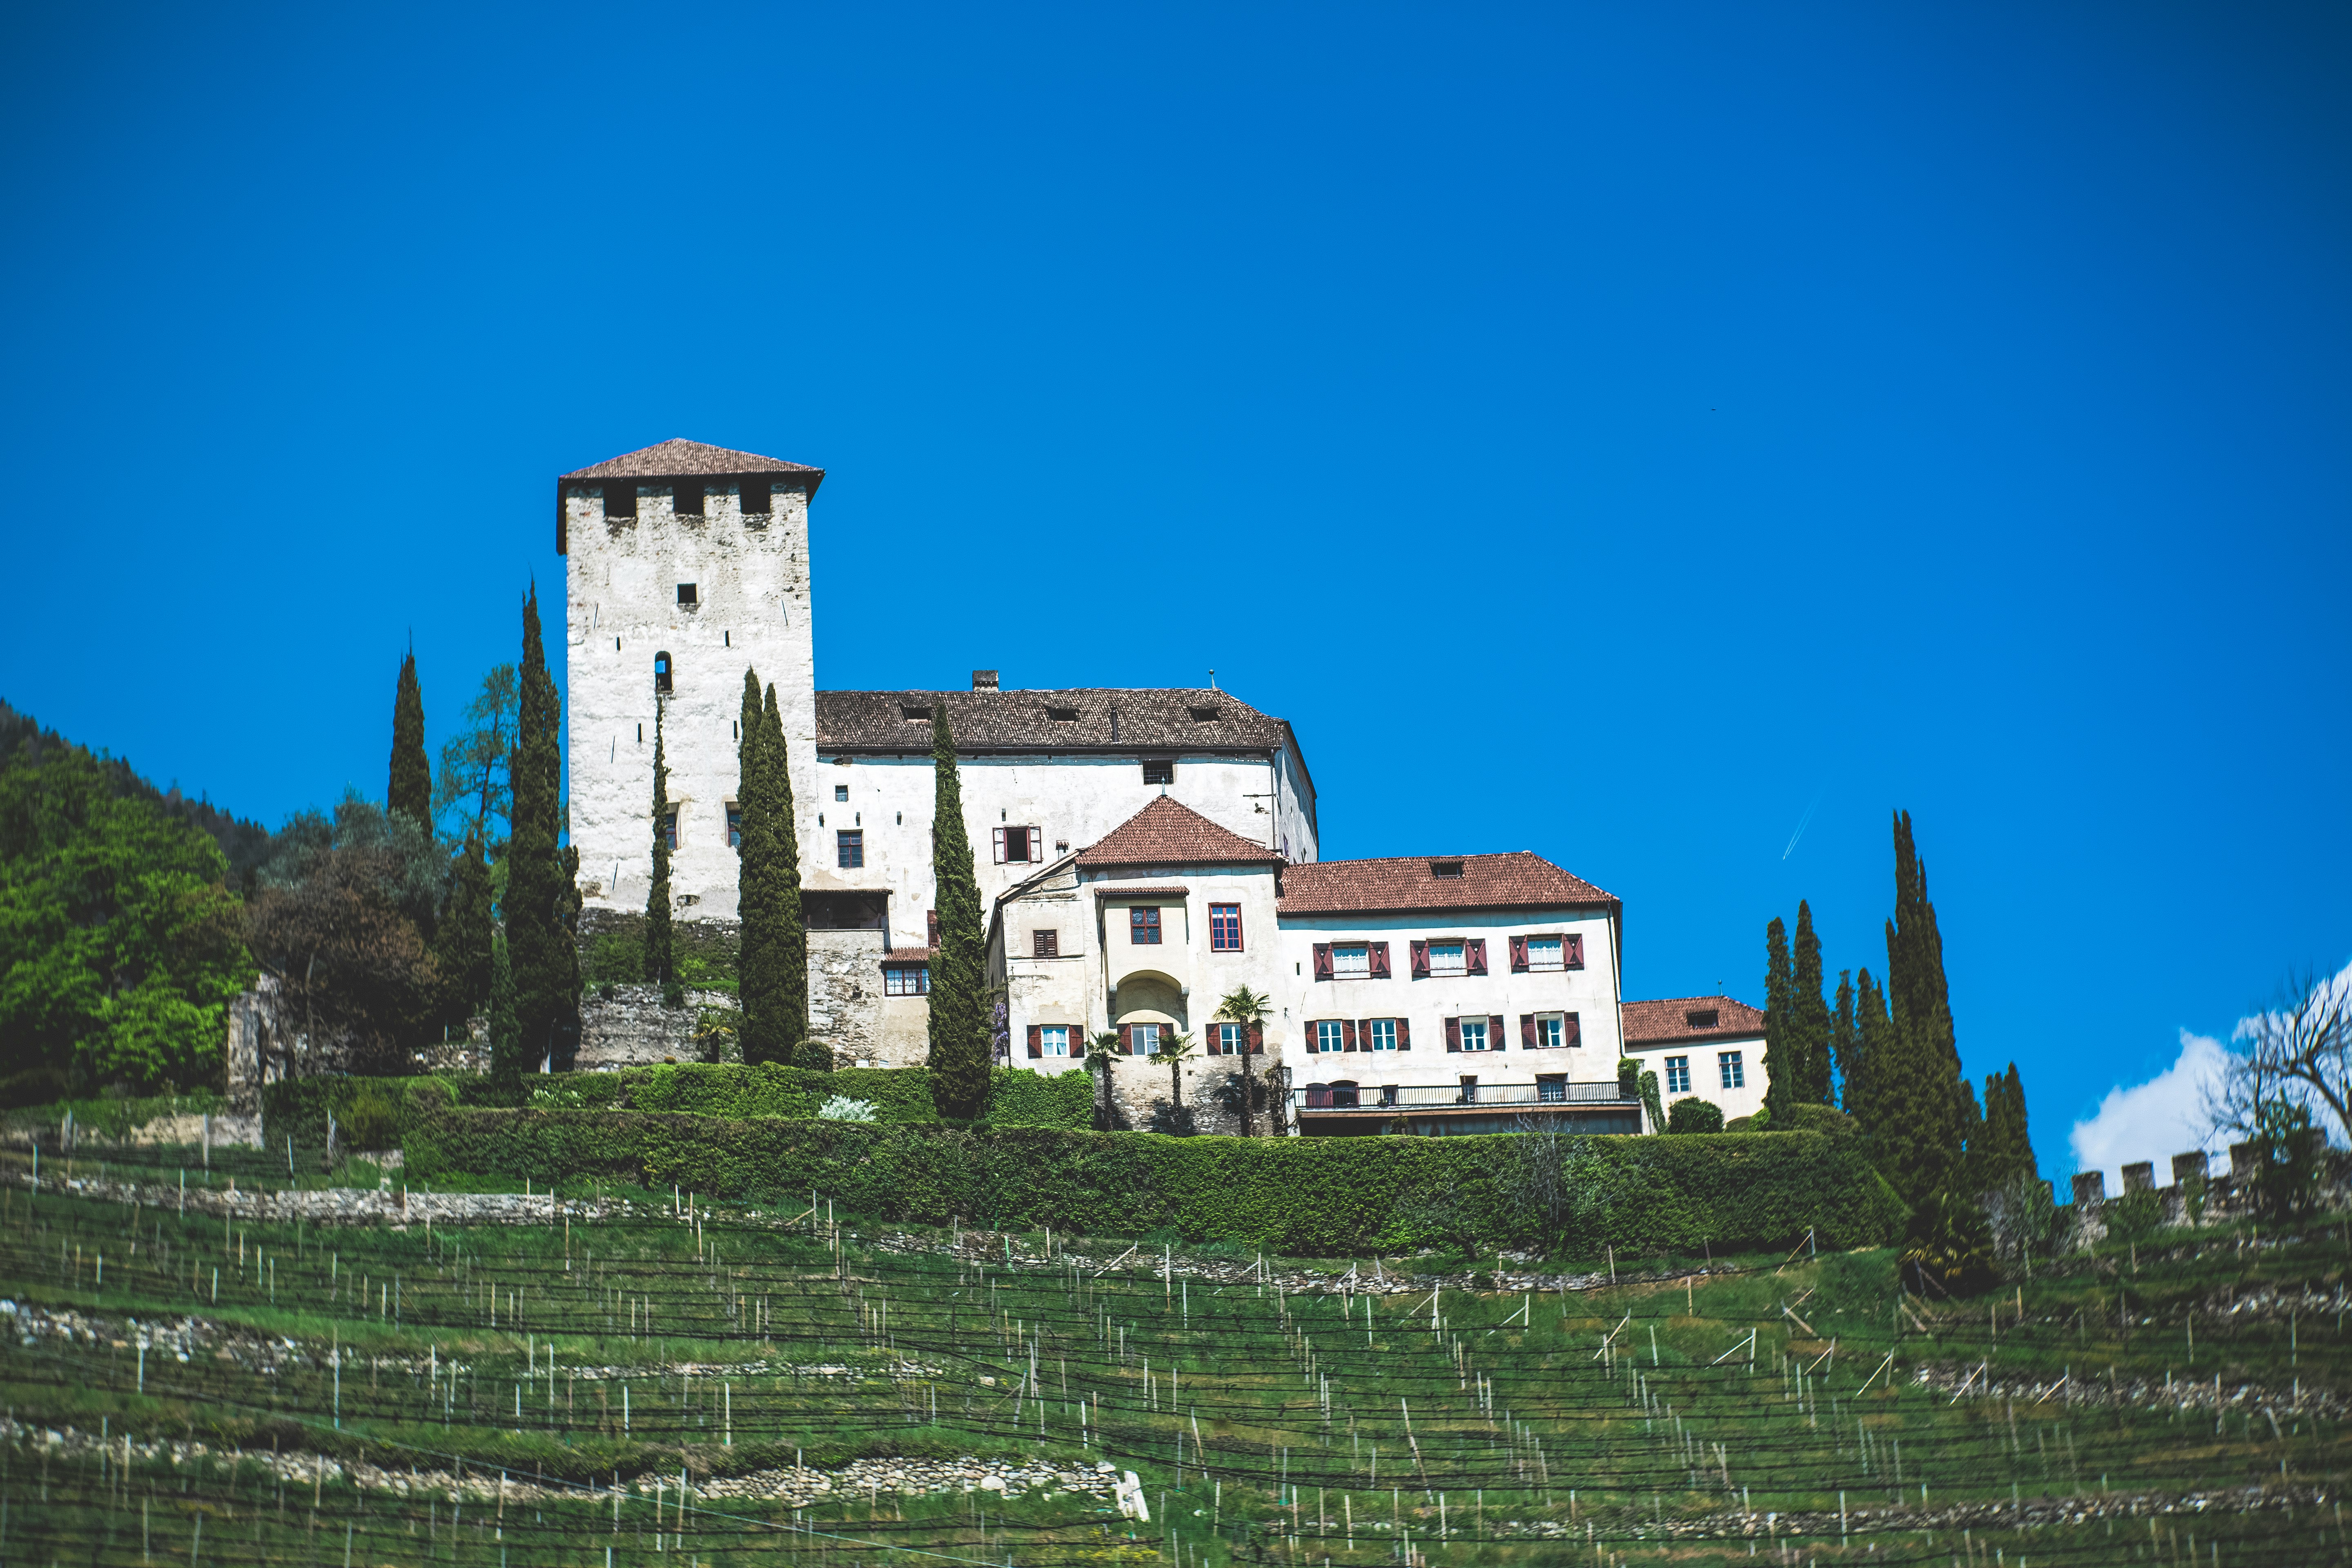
(2157, 1120)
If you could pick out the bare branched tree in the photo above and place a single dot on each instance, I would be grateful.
(2298, 1050)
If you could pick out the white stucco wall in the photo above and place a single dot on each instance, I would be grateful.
(753, 594)
(1591, 993)
(1705, 1071)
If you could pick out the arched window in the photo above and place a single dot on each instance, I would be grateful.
(661, 672)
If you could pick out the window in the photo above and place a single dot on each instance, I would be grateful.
(685, 501)
(661, 672)
(1678, 1075)
(1053, 1039)
(1143, 926)
(1547, 1032)
(1445, 958)
(841, 792)
(1473, 1033)
(734, 826)
(686, 595)
(1062, 715)
(1227, 1039)
(1735, 1074)
(1330, 1035)
(1350, 961)
(755, 497)
(1019, 844)
(1206, 715)
(849, 849)
(1551, 1086)
(906, 979)
(620, 500)
(915, 713)
(1379, 1034)
(1143, 1039)
(1159, 772)
(1445, 868)
(1224, 927)
(669, 829)
(1543, 952)
(1703, 1019)
(1044, 944)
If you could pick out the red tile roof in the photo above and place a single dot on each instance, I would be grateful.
(1166, 833)
(677, 458)
(1658, 1022)
(1138, 890)
(1519, 879)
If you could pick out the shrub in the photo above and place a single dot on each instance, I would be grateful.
(370, 1120)
(1692, 1115)
(841, 1107)
(616, 960)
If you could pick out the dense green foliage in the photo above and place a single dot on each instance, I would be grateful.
(661, 968)
(462, 945)
(1810, 1028)
(2003, 1151)
(410, 789)
(539, 944)
(1923, 1111)
(1691, 1114)
(505, 1029)
(1780, 987)
(774, 945)
(1316, 1195)
(119, 942)
(476, 779)
(958, 1002)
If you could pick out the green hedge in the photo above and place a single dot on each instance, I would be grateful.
(1304, 1196)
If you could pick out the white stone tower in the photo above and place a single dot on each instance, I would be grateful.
(685, 564)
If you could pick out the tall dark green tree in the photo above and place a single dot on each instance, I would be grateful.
(959, 1021)
(791, 917)
(773, 958)
(411, 790)
(1873, 1033)
(506, 1033)
(2004, 1150)
(462, 946)
(661, 965)
(539, 943)
(1846, 1041)
(1808, 1035)
(1926, 1109)
(1780, 1083)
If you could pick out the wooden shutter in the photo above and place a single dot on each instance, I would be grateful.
(1036, 1041)
(1036, 842)
(1494, 1031)
(1474, 955)
(1077, 1042)
(1453, 1033)
(1346, 1034)
(1379, 957)
(1404, 1035)
(1527, 1028)
(1421, 961)
(1571, 1032)
(1322, 960)
(1257, 1039)
(1519, 956)
(999, 833)
(1126, 1039)
(1571, 952)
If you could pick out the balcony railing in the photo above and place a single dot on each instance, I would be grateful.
(1428, 1096)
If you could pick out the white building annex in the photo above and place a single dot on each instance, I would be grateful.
(1144, 853)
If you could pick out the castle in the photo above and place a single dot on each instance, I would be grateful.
(1142, 852)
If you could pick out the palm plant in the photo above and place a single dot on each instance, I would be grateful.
(1248, 1008)
(1101, 1047)
(1175, 1051)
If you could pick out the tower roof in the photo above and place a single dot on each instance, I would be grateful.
(678, 459)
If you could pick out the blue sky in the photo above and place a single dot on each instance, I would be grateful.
(1616, 435)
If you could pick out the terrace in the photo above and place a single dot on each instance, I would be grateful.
(1342, 1108)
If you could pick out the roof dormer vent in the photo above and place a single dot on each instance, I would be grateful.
(1703, 1018)
(1445, 868)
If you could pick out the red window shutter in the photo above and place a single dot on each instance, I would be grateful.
(999, 844)
(1519, 956)
(1380, 956)
(1527, 1031)
(1126, 1039)
(1257, 1039)
(1573, 951)
(1421, 961)
(1404, 1035)
(1571, 1032)
(1348, 1034)
(1474, 955)
(1453, 1033)
(1036, 1039)
(1495, 1031)
(1077, 1042)
(1322, 960)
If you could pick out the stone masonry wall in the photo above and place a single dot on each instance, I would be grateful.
(627, 1026)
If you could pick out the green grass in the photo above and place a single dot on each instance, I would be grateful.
(1712, 1422)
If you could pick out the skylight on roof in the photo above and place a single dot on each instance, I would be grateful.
(1445, 868)
(912, 712)
(1704, 1018)
(1206, 715)
(1062, 715)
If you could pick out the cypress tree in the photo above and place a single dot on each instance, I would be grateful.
(1874, 1035)
(506, 1034)
(790, 924)
(1928, 1109)
(755, 899)
(959, 1020)
(546, 972)
(1845, 1040)
(2005, 1150)
(1781, 1082)
(411, 789)
(660, 963)
(1809, 1017)
(462, 948)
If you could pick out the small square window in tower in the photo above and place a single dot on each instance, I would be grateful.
(1159, 772)
(1143, 926)
(849, 849)
(734, 826)
(687, 596)
(841, 792)
(1046, 945)
(662, 679)
(755, 500)
(686, 498)
(1016, 845)
(669, 829)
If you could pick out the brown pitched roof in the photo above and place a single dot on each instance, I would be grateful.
(1659, 1022)
(677, 458)
(1109, 719)
(1166, 833)
(1518, 879)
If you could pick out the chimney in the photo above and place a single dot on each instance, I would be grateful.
(984, 680)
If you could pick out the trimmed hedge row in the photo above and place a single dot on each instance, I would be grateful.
(1312, 1196)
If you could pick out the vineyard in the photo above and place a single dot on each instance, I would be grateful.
(200, 1373)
